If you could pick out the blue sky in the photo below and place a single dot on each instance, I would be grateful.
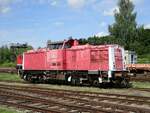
(36, 21)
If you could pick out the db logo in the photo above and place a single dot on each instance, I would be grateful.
(52, 56)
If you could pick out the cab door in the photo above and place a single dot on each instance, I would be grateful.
(118, 59)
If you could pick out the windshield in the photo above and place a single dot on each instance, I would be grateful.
(55, 46)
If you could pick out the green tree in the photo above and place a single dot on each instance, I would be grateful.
(83, 41)
(8, 55)
(125, 28)
(144, 40)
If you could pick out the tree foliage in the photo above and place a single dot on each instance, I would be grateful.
(141, 44)
(125, 26)
(125, 31)
(95, 40)
(8, 55)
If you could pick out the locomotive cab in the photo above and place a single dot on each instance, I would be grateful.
(62, 44)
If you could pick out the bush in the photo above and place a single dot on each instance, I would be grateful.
(145, 59)
(8, 64)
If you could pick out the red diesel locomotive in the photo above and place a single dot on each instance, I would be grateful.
(73, 63)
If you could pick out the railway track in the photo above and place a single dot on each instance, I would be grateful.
(40, 104)
(78, 101)
(46, 105)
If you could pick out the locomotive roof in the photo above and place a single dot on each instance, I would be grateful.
(56, 42)
(96, 46)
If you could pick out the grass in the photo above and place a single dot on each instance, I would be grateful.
(141, 84)
(4, 109)
(9, 77)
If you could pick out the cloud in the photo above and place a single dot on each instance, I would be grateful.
(50, 2)
(5, 5)
(147, 26)
(108, 7)
(54, 3)
(111, 11)
(4, 10)
(100, 34)
(77, 4)
(105, 7)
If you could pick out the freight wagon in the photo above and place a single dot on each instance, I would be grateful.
(75, 64)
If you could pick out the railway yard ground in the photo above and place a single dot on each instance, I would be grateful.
(17, 96)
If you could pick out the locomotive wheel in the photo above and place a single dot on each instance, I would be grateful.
(74, 82)
(95, 83)
(29, 78)
(25, 77)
